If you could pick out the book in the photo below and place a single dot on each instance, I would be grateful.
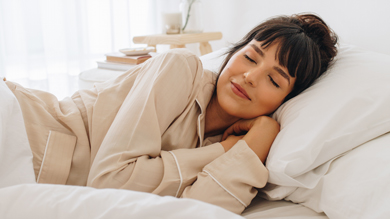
(114, 65)
(122, 58)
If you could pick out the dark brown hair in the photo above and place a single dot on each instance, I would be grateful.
(306, 46)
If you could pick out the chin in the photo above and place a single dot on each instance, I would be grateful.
(239, 113)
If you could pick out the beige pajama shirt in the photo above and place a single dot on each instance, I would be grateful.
(142, 131)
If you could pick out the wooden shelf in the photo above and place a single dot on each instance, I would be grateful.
(179, 40)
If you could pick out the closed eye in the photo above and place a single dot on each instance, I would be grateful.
(251, 60)
(273, 82)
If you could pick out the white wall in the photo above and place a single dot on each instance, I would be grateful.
(365, 23)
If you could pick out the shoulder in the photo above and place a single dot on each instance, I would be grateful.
(182, 65)
(181, 56)
(181, 52)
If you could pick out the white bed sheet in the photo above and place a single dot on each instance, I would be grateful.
(15, 154)
(264, 209)
(59, 201)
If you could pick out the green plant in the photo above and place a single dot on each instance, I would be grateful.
(188, 14)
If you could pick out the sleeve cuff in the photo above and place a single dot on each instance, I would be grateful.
(238, 171)
(192, 161)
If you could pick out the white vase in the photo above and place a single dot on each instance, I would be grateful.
(192, 18)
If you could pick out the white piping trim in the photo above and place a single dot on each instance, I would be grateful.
(178, 168)
(198, 124)
(225, 188)
(44, 156)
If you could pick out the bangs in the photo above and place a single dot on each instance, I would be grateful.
(294, 52)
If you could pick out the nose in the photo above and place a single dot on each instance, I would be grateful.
(251, 78)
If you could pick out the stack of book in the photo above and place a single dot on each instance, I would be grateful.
(121, 61)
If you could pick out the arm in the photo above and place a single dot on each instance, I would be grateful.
(130, 155)
(260, 134)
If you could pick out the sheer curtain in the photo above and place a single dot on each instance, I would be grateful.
(45, 44)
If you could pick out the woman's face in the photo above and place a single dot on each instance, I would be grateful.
(253, 83)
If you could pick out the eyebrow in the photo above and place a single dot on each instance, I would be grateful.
(257, 49)
(279, 70)
(282, 73)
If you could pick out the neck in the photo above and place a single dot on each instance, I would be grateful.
(217, 120)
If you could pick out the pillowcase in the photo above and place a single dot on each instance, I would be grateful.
(347, 107)
(15, 154)
(356, 185)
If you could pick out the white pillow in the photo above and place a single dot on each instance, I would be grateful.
(15, 155)
(356, 185)
(348, 106)
(214, 60)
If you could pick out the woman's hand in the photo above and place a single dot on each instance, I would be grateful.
(259, 133)
(241, 127)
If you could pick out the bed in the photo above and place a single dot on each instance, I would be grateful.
(330, 160)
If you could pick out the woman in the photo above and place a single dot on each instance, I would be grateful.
(158, 128)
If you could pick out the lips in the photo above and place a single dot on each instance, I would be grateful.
(239, 91)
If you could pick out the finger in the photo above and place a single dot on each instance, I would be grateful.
(224, 136)
(241, 127)
(238, 128)
(227, 132)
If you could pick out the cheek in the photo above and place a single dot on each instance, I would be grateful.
(267, 101)
(225, 75)
(232, 68)
(273, 106)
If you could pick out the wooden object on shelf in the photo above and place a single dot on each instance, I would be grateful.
(180, 40)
